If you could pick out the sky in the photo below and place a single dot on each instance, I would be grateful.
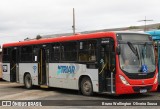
(20, 19)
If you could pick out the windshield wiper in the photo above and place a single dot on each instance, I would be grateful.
(134, 50)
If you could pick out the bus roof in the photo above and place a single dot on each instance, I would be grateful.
(65, 38)
(154, 32)
(61, 39)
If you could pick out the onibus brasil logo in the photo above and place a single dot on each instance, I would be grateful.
(66, 69)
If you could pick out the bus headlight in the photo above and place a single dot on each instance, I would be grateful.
(156, 79)
(124, 81)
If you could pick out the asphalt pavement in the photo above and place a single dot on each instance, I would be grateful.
(15, 91)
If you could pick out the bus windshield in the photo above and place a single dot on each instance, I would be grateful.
(132, 62)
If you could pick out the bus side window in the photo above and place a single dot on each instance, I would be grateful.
(26, 54)
(55, 52)
(6, 54)
(92, 50)
(83, 55)
(87, 51)
(35, 53)
(69, 51)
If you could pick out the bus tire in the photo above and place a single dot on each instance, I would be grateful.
(28, 81)
(86, 86)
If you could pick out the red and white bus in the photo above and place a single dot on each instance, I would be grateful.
(104, 62)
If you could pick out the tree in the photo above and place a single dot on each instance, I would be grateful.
(133, 27)
(158, 27)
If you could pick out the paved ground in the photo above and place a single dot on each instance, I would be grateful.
(14, 91)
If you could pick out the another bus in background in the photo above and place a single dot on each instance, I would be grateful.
(155, 34)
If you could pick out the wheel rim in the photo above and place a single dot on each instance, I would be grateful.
(87, 86)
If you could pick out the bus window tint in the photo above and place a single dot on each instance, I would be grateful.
(92, 50)
(55, 52)
(69, 51)
(26, 54)
(87, 50)
(6, 55)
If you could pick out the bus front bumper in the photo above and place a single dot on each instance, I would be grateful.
(131, 89)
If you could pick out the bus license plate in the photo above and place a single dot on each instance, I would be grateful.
(143, 90)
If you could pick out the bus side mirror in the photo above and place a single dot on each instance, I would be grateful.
(118, 49)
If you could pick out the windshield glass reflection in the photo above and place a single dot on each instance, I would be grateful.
(132, 62)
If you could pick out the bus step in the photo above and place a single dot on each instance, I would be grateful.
(44, 86)
(108, 92)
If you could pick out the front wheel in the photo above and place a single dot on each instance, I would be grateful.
(28, 81)
(86, 86)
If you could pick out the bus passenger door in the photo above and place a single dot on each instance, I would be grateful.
(107, 66)
(43, 66)
(14, 65)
